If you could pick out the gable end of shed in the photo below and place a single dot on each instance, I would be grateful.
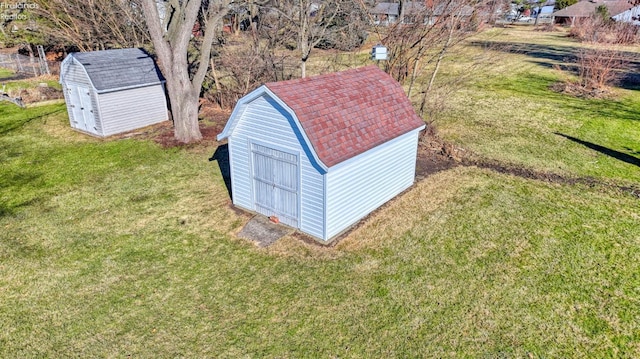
(262, 91)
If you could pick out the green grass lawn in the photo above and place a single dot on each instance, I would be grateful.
(508, 113)
(4, 73)
(118, 248)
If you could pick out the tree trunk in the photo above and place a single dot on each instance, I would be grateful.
(442, 53)
(437, 65)
(303, 68)
(171, 43)
(184, 102)
(187, 107)
(414, 74)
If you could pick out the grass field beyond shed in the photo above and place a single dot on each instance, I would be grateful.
(123, 248)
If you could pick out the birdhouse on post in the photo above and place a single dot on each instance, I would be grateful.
(379, 52)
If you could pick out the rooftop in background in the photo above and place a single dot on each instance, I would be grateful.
(415, 7)
(587, 8)
(386, 8)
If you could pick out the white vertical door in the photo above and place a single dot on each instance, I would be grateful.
(87, 109)
(275, 183)
(81, 108)
(76, 108)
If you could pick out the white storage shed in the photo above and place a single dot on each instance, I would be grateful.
(112, 91)
(322, 152)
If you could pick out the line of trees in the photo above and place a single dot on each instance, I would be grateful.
(196, 57)
(93, 24)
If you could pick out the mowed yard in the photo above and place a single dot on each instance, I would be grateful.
(123, 248)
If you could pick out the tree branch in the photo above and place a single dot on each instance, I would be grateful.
(211, 28)
(156, 31)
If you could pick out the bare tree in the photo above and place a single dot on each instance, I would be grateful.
(171, 39)
(243, 68)
(349, 28)
(537, 4)
(425, 35)
(309, 23)
(93, 24)
(600, 67)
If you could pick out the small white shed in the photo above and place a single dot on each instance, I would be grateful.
(112, 91)
(320, 153)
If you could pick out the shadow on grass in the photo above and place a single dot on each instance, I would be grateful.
(222, 156)
(621, 156)
(549, 55)
(10, 126)
(544, 52)
(17, 180)
(609, 109)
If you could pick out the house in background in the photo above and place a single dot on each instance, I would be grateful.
(416, 12)
(631, 16)
(585, 9)
(322, 152)
(385, 13)
(542, 10)
(428, 12)
(112, 91)
(413, 12)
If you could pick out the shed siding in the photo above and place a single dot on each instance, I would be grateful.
(363, 183)
(127, 110)
(265, 121)
(67, 98)
(74, 74)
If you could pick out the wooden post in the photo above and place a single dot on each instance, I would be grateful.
(20, 69)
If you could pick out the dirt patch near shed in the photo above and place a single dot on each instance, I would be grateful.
(435, 155)
(39, 94)
(550, 177)
(212, 122)
(209, 132)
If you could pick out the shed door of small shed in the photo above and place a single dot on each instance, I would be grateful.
(275, 183)
(82, 108)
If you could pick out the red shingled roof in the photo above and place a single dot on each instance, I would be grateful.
(347, 113)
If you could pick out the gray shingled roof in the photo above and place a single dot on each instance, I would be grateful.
(588, 8)
(386, 8)
(417, 7)
(111, 70)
